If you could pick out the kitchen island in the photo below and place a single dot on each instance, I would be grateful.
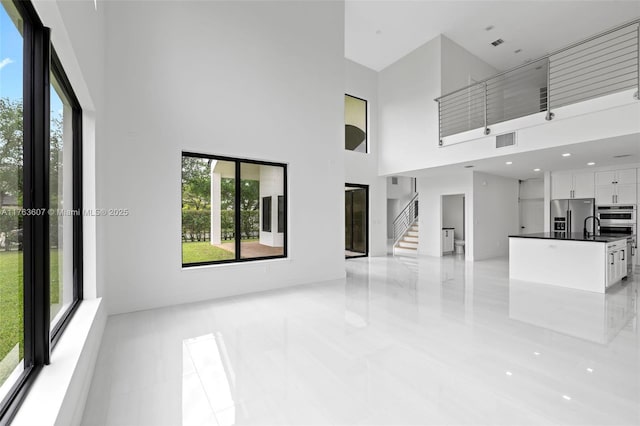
(590, 263)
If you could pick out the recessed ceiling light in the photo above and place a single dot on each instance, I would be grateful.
(517, 51)
(590, 370)
(508, 163)
(536, 170)
(591, 163)
(497, 42)
(509, 373)
(566, 154)
(567, 397)
(489, 28)
(536, 353)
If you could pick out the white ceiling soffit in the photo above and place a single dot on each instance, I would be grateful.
(378, 33)
(609, 152)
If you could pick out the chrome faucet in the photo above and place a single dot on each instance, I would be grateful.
(586, 232)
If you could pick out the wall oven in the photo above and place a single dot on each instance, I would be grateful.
(617, 215)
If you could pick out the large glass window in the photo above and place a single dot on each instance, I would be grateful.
(40, 201)
(232, 210)
(60, 201)
(355, 124)
(11, 195)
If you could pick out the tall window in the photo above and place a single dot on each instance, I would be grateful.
(11, 197)
(355, 124)
(40, 201)
(232, 210)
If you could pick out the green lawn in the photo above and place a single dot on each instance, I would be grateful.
(11, 319)
(10, 306)
(203, 251)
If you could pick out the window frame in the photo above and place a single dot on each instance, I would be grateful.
(366, 125)
(237, 211)
(40, 59)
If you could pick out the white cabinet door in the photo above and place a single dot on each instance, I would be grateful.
(584, 185)
(561, 185)
(626, 194)
(604, 194)
(447, 240)
(611, 267)
(626, 176)
(605, 178)
(622, 263)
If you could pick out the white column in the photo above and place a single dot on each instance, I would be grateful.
(216, 198)
(547, 201)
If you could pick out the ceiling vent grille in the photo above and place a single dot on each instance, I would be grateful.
(394, 180)
(507, 139)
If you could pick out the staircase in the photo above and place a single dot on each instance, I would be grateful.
(407, 245)
(405, 230)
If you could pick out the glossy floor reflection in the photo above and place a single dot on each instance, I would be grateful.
(399, 341)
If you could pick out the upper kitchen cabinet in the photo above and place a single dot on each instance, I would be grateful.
(613, 177)
(616, 187)
(572, 185)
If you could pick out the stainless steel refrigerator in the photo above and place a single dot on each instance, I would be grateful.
(569, 215)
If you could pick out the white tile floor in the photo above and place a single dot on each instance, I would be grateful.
(428, 341)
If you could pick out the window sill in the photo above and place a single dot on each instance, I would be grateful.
(236, 264)
(59, 393)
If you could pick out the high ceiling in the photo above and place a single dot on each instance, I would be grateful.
(378, 33)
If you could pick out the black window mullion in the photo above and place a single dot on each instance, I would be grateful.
(78, 266)
(286, 212)
(238, 213)
(36, 197)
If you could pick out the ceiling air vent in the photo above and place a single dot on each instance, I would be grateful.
(507, 139)
(497, 42)
(622, 156)
(394, 180)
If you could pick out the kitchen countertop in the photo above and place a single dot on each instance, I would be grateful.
(578, 236)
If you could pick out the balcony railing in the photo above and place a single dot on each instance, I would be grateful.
(600, 65)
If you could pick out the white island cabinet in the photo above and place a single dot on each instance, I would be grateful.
(583, 263)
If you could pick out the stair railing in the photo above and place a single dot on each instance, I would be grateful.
(405, 218)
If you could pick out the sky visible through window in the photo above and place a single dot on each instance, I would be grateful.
(11, 64)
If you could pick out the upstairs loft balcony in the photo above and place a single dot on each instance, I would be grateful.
(605, 64)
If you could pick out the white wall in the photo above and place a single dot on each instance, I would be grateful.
(408, 112)
(532, 188)
(222, 78)
(362, 168)
(453, 214)
(496, 215)
(459, 68)
(431, 189)
(402, 190)
(408, 115)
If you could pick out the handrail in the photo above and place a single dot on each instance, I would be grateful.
(405, 218)
(593, 67)
(548, 55)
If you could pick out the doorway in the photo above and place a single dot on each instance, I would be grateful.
(356, 220)
(453, 218)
